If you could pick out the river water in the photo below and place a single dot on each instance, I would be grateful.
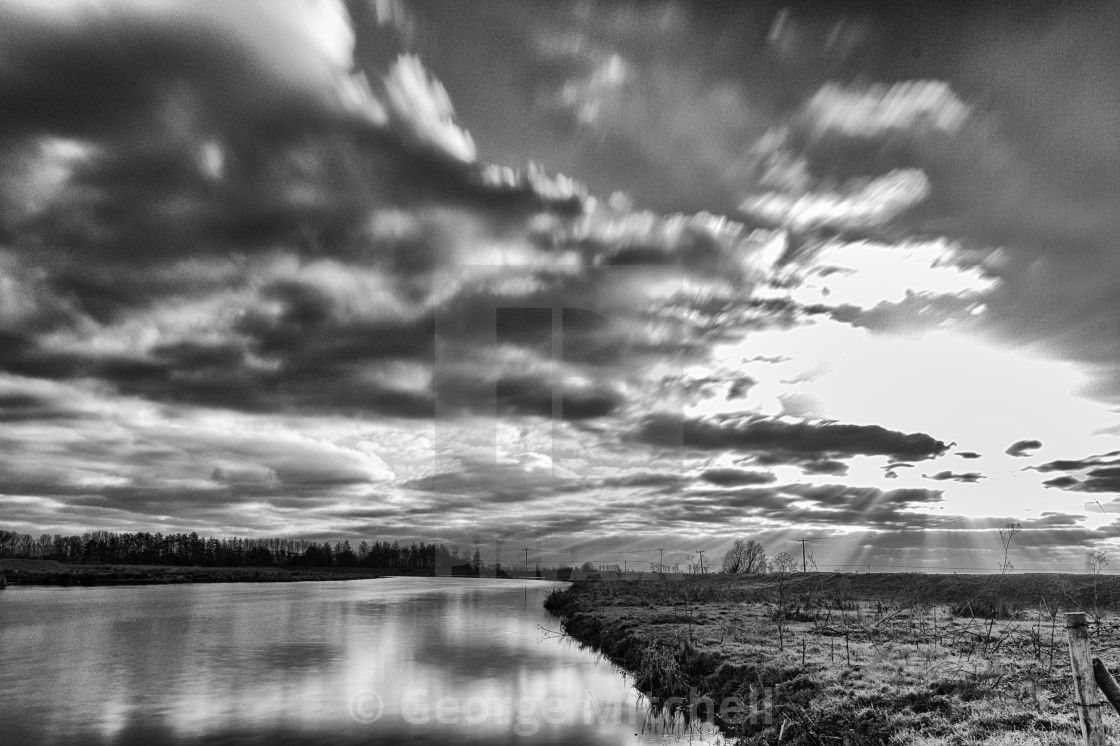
(386, 661)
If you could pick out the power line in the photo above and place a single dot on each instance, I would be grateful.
(804, 566)
(1113, 524)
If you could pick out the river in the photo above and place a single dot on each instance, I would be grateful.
(386, 661)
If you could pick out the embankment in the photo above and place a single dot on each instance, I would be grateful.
(832, 658)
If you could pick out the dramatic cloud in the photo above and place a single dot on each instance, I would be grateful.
(858, 204)
(880, 110)
(860, 278)
(425, 109)
(1090, 474)
(1113, 457)
(444, 271)
(793, 439)
(1023, 448)
(969, 477)
(736, 477)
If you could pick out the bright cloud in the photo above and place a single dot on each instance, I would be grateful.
(880, 109)
(860, 204)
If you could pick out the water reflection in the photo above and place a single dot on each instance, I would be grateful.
(396, 660)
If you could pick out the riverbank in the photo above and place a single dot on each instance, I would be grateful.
(823, 658)
(19, 572)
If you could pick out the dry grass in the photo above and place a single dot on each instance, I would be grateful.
(882, 661)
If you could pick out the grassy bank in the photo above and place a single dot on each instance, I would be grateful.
(856, 659)
(48, 572)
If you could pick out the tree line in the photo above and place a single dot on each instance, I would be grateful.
(749, 557)
(143, 548)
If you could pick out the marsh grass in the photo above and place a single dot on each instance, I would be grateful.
(859, 659)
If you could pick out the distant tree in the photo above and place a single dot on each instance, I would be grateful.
(1098, 560)
(314, 555)
(733, 557)
(745, 557)
(476, 561)
(588, 567)
(258, 557)
(344, 556)
(1006, 534)
(782, 566)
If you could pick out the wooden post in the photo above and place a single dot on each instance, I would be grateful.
(1084, 684)
(1107, 684)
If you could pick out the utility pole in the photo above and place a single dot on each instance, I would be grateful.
(701, 551)
(804, 563)
(661, 567)
(526, 558)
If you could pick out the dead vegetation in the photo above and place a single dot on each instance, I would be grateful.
(857, 659)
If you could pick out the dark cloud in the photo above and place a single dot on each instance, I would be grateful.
(829, 504)
(968, 454)
(943, 476)
(29, 407)
(798, 440)
(1112, 457)
(1023, 447)
(1094, 473)
(1100, 480)
(207, 132)
(535, 397)
(858, 497)
(736, 477)
(824, 466)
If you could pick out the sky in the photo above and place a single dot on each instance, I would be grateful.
(591, 279)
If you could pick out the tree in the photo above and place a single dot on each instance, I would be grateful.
(783, 566)
(476, 561)
(344, 556)
(1006, 534)
(1098, 560)
(259, 557)
(745, 557)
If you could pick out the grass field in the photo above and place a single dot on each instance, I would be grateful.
(835, 658)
